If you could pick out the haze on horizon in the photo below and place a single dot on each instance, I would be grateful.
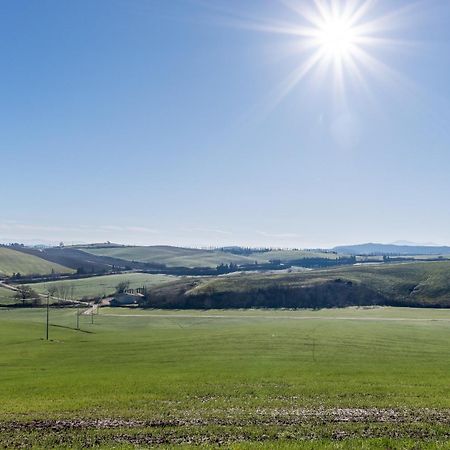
(225, 122)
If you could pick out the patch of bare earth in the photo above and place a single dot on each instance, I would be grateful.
(237, 425)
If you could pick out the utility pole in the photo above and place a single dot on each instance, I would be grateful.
(78, 316)
(46, 328)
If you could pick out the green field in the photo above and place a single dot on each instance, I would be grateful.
(170, 256)
(6, 296)
(351, 378)
(12, 261)
(104, 286)
(190, 257)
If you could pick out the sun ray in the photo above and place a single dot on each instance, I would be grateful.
(337, 41)
(296, 76)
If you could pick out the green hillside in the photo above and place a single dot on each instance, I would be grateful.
(103, 286)
(190, 257)
(6, 296)
(409, 281)
(415, 279)
(403, 284)
(12, 261)
(290, 255)
(171, 256)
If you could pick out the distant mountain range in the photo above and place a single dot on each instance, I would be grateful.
(392, 249)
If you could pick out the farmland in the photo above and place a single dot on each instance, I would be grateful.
(252, 379)
(170, 256)
(103, 286)
(189, 257)
(12, 261)
(402, 284)
(6, 296)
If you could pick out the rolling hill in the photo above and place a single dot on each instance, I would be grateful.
(191, 257)
(13, 261)
(406, 284)
(392, 249)
(78, 259)
(170, 256)
(103, 286)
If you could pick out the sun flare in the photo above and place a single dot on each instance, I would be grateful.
(337, 37)
(338, 43)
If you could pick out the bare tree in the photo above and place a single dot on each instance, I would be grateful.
(25, 293)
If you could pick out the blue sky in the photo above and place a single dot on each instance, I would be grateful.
(147, 121)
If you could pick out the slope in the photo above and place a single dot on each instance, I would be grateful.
(170, 256)
(13, 261)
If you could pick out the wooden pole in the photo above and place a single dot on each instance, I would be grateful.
(48, 307)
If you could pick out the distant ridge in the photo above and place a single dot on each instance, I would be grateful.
(392, 249)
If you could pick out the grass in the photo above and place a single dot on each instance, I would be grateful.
(6, 296)
(103, 286)
(12, 261)
(189, 257)
(290, 255)
(425, 282)
(242, 377)
(170, 256)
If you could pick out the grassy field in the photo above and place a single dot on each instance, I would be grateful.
(103, 286)
(170, 256)
(6, 296)
(12, 261)
(290, 255)
(189, 257)
(353, 378)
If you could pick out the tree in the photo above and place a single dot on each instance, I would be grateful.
(146, 300)
(122, 287)
(25, 293)
(52, 289)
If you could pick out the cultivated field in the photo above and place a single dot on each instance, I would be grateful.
(12, 261)
(349, 378)
(103, 286)
(189, 257)
(170, 256)
(6, 296)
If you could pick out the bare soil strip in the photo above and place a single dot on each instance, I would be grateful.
(218, 316)
(262, 417)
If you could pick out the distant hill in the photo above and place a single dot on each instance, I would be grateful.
(169, 256)
(392, 249)
(14, 261)
(192, 257)
(78, 259)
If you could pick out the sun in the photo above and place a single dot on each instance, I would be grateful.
(336, 37)
(338, 44)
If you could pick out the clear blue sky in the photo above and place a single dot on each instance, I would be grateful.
(154, 121)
